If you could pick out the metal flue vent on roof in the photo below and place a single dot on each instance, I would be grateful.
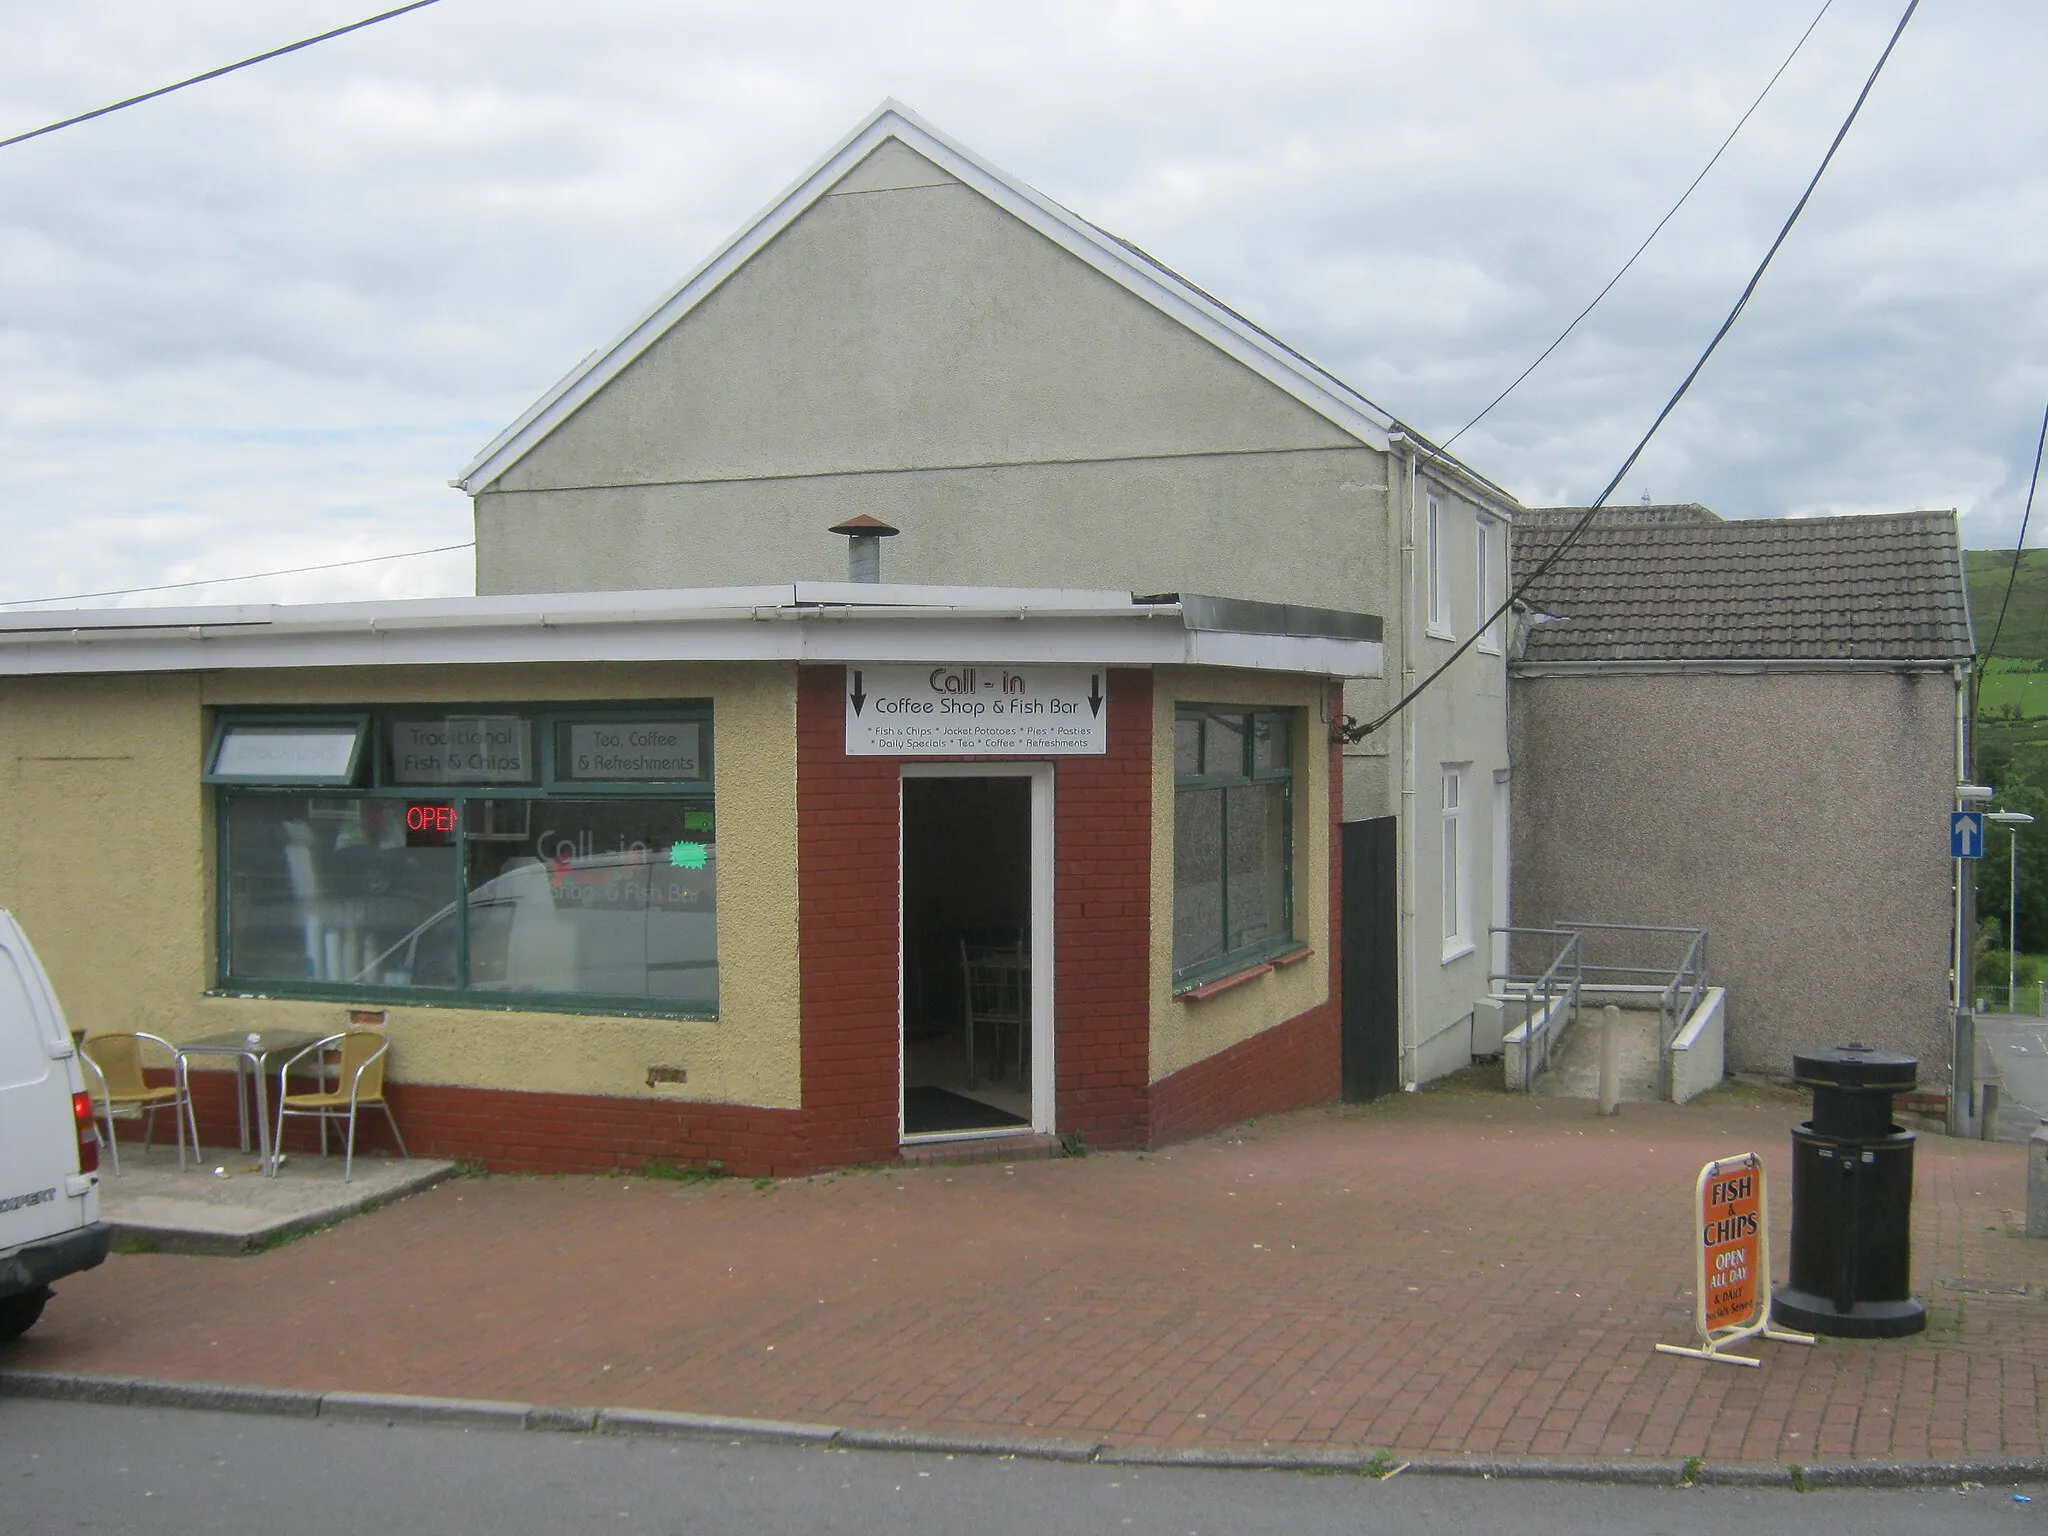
(864, 537)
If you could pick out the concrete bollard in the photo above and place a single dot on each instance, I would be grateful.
(1610, 1060)
(2037, 1183)
(1987, 1118)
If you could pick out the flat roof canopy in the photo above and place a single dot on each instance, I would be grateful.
(802, 621)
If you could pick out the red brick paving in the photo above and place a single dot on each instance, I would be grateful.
(1441, 1272)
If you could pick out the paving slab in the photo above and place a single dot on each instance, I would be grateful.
(1462, 1277)
(220, 1203)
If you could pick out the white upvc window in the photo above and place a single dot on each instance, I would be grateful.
(1457, 866)
(1485, 587)
(1439, 572)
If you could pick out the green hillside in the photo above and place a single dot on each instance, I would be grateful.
(2012, 702)
(2026, 621)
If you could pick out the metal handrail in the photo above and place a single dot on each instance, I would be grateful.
(1670, 1017)
(1678, 991)
(1551, 986)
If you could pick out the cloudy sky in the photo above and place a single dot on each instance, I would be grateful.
(262, 322)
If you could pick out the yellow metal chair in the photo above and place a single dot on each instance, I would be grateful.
(358, 1084)
(116, 1060)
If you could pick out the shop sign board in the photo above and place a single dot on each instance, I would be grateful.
(1730, 1242)
(634, 751)
(466, 749)
(976, 710)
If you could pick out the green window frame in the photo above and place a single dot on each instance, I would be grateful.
(1233, 839)
(541, 857)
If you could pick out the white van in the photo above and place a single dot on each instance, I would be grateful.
(49, 1147)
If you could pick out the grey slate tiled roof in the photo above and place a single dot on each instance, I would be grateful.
(1676, 583)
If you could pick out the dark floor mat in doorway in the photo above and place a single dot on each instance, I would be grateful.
(926, 1110)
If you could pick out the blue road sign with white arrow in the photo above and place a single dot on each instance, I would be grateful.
(1966, 834)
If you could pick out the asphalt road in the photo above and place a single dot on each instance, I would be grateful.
(75, 1467)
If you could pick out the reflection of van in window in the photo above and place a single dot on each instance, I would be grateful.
(49, 1148)
(619, 924)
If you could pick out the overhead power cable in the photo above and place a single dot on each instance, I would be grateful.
(2011, 576)
(210, 581)
(1652, 235)
(1351, 731)
(215, 74)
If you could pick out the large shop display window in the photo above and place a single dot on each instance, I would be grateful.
(1233, 839)
(560, 857)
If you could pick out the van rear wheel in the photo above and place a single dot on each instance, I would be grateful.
(19, 1313)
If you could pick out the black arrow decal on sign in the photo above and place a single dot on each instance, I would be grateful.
(1094, 693)
(857, 696)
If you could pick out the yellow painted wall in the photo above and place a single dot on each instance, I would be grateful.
(106, 857)
(1186, 1031)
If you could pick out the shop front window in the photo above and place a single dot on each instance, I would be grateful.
(1233, 839)
(477, 859)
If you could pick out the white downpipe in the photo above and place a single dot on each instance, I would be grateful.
(1410, 1015)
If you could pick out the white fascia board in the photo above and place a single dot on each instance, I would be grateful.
(1089, 641)
(400, 613)
(1321, 655)
(1317, 390)
(1434, 463)
(103, 626)
(1136, 637)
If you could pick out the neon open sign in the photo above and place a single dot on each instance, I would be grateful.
(430, 818)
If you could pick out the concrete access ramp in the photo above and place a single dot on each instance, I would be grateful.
(1574, 1070)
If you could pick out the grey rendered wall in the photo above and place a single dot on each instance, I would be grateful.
(909, 350)
(1239, 525)
(1800, 817)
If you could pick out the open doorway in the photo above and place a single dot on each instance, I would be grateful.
(974, 1051)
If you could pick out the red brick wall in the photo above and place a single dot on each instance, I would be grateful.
(1102, 901)
(848, 890)
(1288, 1066)
(512, 1131)
(580, 1133)
(848, 811)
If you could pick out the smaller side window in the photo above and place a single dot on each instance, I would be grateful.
(1456, 851)
(1233, 893)
(1485, 588)
(1439, 598)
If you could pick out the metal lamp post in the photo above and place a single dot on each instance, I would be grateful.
(2013, 820)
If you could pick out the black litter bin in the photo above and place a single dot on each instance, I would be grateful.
(1852, 1200)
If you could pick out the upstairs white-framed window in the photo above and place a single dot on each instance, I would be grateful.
(1486, 585)
(1438, 563)
(1457, 865)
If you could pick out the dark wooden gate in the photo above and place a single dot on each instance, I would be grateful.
(1372, 929)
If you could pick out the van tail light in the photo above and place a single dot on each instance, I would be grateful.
(88, 1133)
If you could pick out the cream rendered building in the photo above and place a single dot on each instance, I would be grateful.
(910, 334)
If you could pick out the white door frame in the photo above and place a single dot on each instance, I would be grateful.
(1041, 863)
